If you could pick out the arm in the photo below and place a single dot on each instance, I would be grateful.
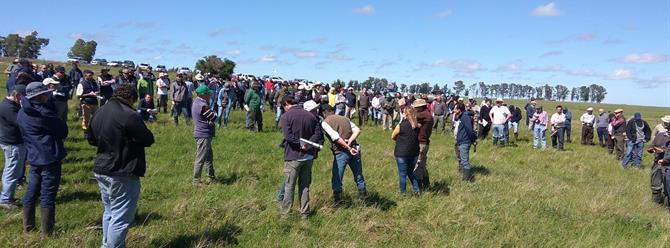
(356, 132)
(287, 129)
(138, 131)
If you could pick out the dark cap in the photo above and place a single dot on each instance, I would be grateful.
(637, 116)
(60, 69)
(24, 62)
(20, 88)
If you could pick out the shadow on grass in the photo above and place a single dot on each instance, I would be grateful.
(440, 187)
(224, 235)
(82, 160)
(78, 196)
(374, 199)
(228, 179)
(480, 170)
(142, 219)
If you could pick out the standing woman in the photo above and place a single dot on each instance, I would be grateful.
(406, 135)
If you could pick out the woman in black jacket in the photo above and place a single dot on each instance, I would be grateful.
(406, 135)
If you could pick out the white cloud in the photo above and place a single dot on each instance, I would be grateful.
(365, 10)
(622, 74)
(583, 72)
(644, 58)
(232, 53)
(551, 53)
(509, 67)
(459, 65)
(268, 58)
(550, 68)
(445, 13)
(547, 10)
(655, 82)
(299, 53)
(133, 24)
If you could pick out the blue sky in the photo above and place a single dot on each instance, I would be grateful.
(623, 45)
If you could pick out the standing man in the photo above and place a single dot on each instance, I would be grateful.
(439, 111)
(350, 100)
(558, 128)
(425, 120)
(120, 136)
(75, 76)
(601, 123)
(485, 119)
(539, 124)
(588, 120)
(619, 130)
(568, 124)
(204, 120)
(222, 100)
(499, 115)
(363, 107)
(12, 144)
(127, 77)
(342, 134)
(179, 99)
(162, 84)
(298, 123)
(658, 171)
(88, 91)
(465, 137)
(530, 111)
(514, 121)
(638, 133)
(107, 84)
(43, 133)
(253, 99)
(62, 92)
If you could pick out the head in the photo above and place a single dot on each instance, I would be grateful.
(539, 109)
(666, 121)
(104, 71)
(327, 110)
(60, 71)
(37, 92)
(288, 102)
(459, 109)
(559, 109)
(44, 68)
(499, 102)
(17, 93)
(75, 64)
(147, 98)
(88, 75)
(637, 116)
(203, 92)
(618, 113)
(601, 111)
(126, 92)
(410, 115)
(126, 72)
(589, 110)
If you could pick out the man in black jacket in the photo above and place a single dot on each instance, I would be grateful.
(638, 133)
(12, 144)
(485, 119)
(120, 136)
(514, 121)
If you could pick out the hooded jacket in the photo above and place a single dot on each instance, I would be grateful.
(43, 132)
(466, 132)
(631, 130)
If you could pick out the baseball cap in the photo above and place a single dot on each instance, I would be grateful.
(203, 89)
(637, 116)
(48, 81)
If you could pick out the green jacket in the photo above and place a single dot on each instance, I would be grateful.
(253, 99)
(144, 87)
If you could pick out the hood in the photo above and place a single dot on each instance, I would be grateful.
(36, 108)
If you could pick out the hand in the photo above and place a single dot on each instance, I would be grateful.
(353, 151)
(660, 162)
(304, 147)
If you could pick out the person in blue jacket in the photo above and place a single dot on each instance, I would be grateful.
(465, 137)
(43, 133)
(568, 124)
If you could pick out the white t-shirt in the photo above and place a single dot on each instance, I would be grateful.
(160, 84)
(499, 114)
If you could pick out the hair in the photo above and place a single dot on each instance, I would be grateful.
(325, 108)
(559, 106)
(24, 78)
(410, 115)
(288, 100)
(88, 72)
(126, 91)
(460, 106)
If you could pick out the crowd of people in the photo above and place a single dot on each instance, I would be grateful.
(114, 111)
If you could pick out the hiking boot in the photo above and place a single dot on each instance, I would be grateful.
(362, 194)
(467, 176)
(48, 219)
(426, 183)
(29, 218)
(337, 197)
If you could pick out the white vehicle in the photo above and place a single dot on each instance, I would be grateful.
(99, 62)
(277, 79)
(114, 64)
(160, 68)
(144, 66)
(184, 70)
(78, 60)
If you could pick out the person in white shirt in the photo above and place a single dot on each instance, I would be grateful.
(558, 128)
(162, 84)
(587, 119)
(499, 115)
(376, 108)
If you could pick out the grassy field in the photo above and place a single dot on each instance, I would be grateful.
(522, 197)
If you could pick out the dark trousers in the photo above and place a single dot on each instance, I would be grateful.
(255, 117)
(558, 138)
(619, 145)
(484, 131)
(162, 103)
(568, 131)
(587, 135)
(44, 183)
(179, 108)
(603, 136)
(362, 116)
(61, 109)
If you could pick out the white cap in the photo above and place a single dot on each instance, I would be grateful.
(309, 105)
(589, 109)
(48, 81)
(499, 99)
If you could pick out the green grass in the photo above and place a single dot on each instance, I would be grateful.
(521, 197)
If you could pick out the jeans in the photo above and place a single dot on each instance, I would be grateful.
(44, 183)
(179, 108)
(340, 162)
(280, 193)
(405, 170)
(15, 166)
(204, 156)
(376, 114)
(539, 133)
(226, 113)
(498, 133)
(464, 156)
(558, 138)
(299, 172)
(634, 153)
(119, 197)
(603, 136)
(514, 126)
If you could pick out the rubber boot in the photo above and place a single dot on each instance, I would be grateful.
(467, 175)
(337, 197)
(48, 218)
(29, 218)
(426, 183)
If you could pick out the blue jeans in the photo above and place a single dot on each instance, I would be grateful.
(15, 166)
(406, 170)
(44, 183)
(279, 112)
(119, 198)
(179, 108)
(280, 193)
(498, 133)
(340, 162)
(540, 134)
(634, 153)
(376, 114)
(464, 152)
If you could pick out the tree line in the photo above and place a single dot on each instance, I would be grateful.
(29, 46)
(586, 93)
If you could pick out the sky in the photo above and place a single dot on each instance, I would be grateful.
(622, 45)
